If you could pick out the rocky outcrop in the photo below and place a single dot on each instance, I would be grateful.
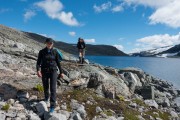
(88, 91)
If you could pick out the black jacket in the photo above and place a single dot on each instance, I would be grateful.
(81, 45)
(48, 60)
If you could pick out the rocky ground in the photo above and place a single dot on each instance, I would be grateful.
(87, 92)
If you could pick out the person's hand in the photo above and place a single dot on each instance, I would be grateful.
(61, 75)
(39, 74)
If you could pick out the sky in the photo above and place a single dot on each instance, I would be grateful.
(129, 25)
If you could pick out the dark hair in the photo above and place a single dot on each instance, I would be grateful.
(79, 39)
(49, 40)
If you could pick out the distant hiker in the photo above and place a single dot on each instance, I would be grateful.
(81, 47)
(47, 63)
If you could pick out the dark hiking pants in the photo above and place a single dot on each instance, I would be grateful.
(52, 78)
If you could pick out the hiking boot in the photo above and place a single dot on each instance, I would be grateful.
(51, 110)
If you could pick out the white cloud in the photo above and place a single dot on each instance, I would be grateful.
(118, 8)
(90, 40)
(156, 41)
(28, 15)
(165, 11)
(103, 7)
(168, 14)
(72, 33)
(53, 8)
(149, 3)
(119, 47)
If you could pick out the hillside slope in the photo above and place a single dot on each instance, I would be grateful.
(102, 50)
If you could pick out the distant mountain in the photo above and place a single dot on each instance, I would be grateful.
(175, 51)
(167, 51)
(97, 50)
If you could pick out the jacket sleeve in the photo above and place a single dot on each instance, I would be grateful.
(84, 45)
(39, 61)
(58, 63)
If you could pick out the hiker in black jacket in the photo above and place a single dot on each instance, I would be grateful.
(47, 67)
(81, 47)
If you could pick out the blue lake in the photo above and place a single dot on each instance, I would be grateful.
(165, 68)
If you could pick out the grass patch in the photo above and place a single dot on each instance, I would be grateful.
(118, 106)
(108, 113)
(130, 114)
(162, 115)
(140, 102)
(5, 107)
(121, 98)
(39, 88)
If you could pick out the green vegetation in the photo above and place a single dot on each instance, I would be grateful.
(121, 98)
(162, 115)
(5, 107)
(108, 113)
(118, 105)
(39, 88)
(140, 102)
(130, 114)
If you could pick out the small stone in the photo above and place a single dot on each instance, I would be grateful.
(21, 115)
(2, 116)
(22, 100)
(89, 102)
(133, 105)
(64, 106)
(98, 110)
(17, 107)
(76, 116)
(11, 101)
(174, 114)
(155, 113)
(54, 116)
(11, 114)
(158, 119)
(41, 107)
(74, 104)
(57, 108)
(18, 118)
(2, 104)
(33, 97)
(111, 118)
(82, 112)
(33, 116)
(120, 118)
(22, 94)
(66, 113)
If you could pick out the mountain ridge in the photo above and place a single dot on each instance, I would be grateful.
(96, 50)
(166, 51)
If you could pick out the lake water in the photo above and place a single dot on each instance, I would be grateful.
(164, 68)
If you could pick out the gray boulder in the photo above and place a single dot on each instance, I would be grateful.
(54, 116)
(174, 114)
(41, 108)
(132, 80)
(151, 103)
(2, 116)
(33, 116)
(75, 116)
